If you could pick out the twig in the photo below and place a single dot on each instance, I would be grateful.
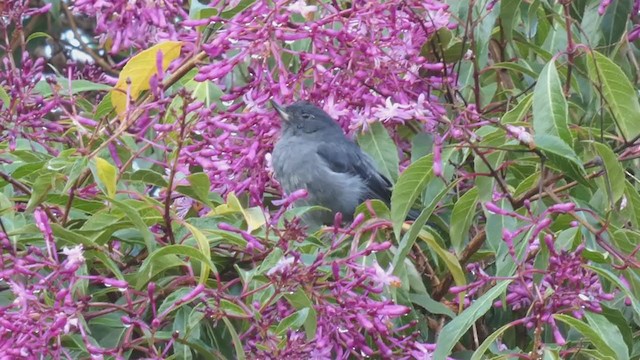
(74, 28)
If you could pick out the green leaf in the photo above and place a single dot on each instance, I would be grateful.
(174, 297)
(614, 21)
(562, 156)
(4, 99)
(519, 111)
(619, 94)
(434, 307)
(77, 169)
(421, 145)
(614, 174)
(39, 190)
(232, 309)
(138, 222)
(463, 213)
(243, 4)
(148, 177)
(550, 110)
(106, 174)
(104, 107)
(453, 331)
(407, 241)
(300, 300)
(377, 143)
(633, 202)
(270, 261)
(598, 342)
(62, 87)
(479, 353)
(153, 267)
(203, 245)
(515, 67)
(199, 189)
(450, 261)
(182, 250)
(38, 34)
(237, 343)
(409, 186)
(293, 321)
(609, 333)
(615, 280)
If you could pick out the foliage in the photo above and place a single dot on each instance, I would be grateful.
(139, 217)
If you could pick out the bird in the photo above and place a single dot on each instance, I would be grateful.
(313, 153)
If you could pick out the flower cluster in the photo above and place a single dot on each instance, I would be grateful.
(565, 286)
(43, 308)
(353, 317)
(27, 114)
(361, 64)
(127, 24)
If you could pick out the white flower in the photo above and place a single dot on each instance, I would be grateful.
(282, 264)
(392, 111)
(333, 109)
(74, 255)
(384, 277)
(302, 8)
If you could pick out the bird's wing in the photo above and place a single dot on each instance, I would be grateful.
(347, 157)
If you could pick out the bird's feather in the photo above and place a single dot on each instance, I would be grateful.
(346, 157)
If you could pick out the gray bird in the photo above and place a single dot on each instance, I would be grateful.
(313, 153)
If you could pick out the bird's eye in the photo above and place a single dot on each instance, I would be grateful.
(306, 116)
(299, 126)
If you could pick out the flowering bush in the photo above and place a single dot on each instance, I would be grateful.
(139, 216)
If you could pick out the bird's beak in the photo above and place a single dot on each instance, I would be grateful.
(281, 111)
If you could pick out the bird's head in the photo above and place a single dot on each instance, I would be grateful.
(303, 118)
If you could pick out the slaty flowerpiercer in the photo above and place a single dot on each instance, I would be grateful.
(313, 153)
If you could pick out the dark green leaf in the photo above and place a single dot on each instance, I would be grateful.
(550, 110)
(4, 99)
(237, 343)
(378, 144)
(619, 94)
(39, 190)
(243, 4)
(136, 219)
(407, 241)
(614, 21)
(464, 211)
(598, 342)
(562, 156)
(293, 321)
(614, 174)
(409, 186)
(174, 297)
(149, 177)
(451, 333)
(609, 333)
(300, 300)
(62, 87)
(104, 107)
(518, 113)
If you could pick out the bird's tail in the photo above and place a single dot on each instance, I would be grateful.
(413, 214)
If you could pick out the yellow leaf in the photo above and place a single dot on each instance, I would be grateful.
(139, 71)
(107, 174)
(254, 216)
